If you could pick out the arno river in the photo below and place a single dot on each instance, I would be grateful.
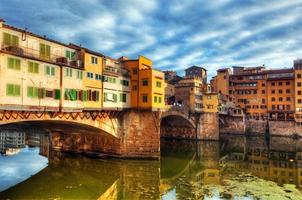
(237, 167)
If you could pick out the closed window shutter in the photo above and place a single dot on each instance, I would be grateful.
(17, 64)
(36, 92)
(105, 97)
(6, 39)
(15, 41)
(17, 90)
(30, 91)
(57, 94)
(97, 96)
(10, 63)
(9, 89)
(114, 97)
(84, 96)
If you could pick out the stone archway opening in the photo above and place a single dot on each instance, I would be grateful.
(177, 127)
(71, 137)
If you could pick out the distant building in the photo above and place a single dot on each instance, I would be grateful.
(11, 141)
(169, 75)
(197, 72)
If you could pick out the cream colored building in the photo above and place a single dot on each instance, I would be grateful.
(116, 85)
(31, 67)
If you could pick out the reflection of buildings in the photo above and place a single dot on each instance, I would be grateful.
(11, 141)
(278, 163)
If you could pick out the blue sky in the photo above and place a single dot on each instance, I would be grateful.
(175, 34)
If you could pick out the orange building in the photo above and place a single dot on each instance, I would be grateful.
(298, 89)
(248, 87)
(148, 84)
(280, 94)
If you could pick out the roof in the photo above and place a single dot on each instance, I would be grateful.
(34, 35)
(223, 69)
(194, 66)
(86, 49)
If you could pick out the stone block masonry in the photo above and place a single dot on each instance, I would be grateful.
(232, 124)
(208, 126)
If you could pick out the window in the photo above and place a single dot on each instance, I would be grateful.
(98, 77)
(263, 101)
(134, 87)
(94, 60)
(14, 63)
(145, 98)
(298, 75)
(280, 99)
(68, 72)
(263, 84)
(273, 99)
(79, 75)
(145, 82)
(299, 84)
(287, 91)
(123, 97)
(287, 98)
(33, 67)
(287, 107)
(125, 82)
(272, 83)
(299, 92)
(110, 97)
(69, 54)
(280, 83)
(44, 51)
(12, 90)
(280, 91)
(51, 71)
(10, 40)
(158, 84)
(71, 94)
(135, 71)
(263, 91)
(273, 107)
(89, 75)
(32, 92)
(155, 99)
(159, 99)
(273, 91)
(287, 83)
(299, 100)
(111, 80)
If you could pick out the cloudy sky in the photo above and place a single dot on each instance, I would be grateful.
(175, 34)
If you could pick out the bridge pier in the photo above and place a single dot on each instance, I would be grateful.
(140, 134)
(207, 126)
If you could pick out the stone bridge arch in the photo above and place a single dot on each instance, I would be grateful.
(177, 124)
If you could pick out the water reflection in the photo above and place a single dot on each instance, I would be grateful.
(235, 167)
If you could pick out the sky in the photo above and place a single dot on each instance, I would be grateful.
(175, 34)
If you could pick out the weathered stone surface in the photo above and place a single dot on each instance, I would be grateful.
(231, 124)
(285, 128)
(141, 134)
(208, 127)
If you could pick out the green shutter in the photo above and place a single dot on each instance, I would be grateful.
(9, 89)
(10, 63)
(53, 71)
(36, 92)
(17, 89)
(30, 91)
(6, 39)
(115, 98)
(47, 70)
(15, 40)
(47, 53)
(67, 53)
(84, 97)
(57, 94)
(30, 67)
(105, 96)
(17, 64)
(36, 68)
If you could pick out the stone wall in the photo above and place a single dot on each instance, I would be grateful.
(285, 128)
(231, 124)
(140, 134)
(257, 127)
(208, 127)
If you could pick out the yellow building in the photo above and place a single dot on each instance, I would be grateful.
(210, 101)
(93, 62)
(148, 84)
(31, 68)
(298, 89)
(116, 85)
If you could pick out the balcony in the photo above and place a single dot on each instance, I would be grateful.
(31, 53)
(116, 71)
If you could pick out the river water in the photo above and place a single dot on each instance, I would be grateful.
(237, 167)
